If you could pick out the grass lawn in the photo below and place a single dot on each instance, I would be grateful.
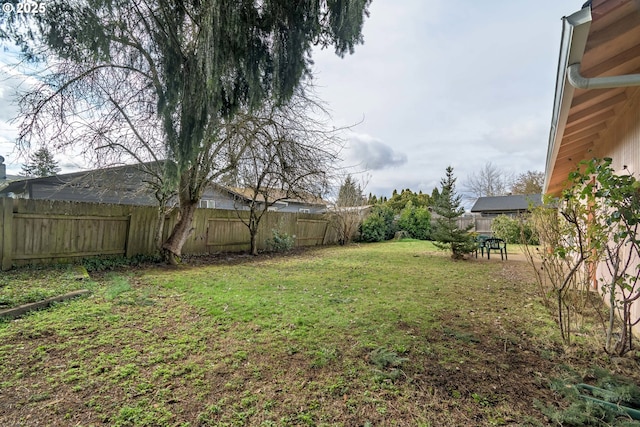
(391, 334)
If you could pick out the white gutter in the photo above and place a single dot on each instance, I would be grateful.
(575, 29)
(577, 81)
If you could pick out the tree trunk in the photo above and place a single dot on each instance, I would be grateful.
(172, 248)
(254, 245)
(162, 211)
(254, 221)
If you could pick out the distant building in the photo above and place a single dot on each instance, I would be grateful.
(505, 205)
(4, 178)
(130, 185)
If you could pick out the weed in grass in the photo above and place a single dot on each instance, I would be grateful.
(39, 397)
(465, 337)
(142, 415)
(339, 387)
(306, 419)
(387, 362)
(126, 371)
(324, 356)
(163, 372)
(240, 356)
(269, 405)
(118, 286)
(209, 416)
(481, 400)
(249, 400)
(292, 349)
(144, 387)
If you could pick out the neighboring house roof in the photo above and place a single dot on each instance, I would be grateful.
(120, 184)
(514, 203)
(9, 178)
(600, 40)
(274, 194)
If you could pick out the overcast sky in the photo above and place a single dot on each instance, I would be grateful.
(436, 83)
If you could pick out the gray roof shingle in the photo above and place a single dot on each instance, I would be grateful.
(517, 202)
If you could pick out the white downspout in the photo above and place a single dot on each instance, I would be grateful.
(580, 82)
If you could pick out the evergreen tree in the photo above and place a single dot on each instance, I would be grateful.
(416, 221)
(41, 163)
(446, 234)
(400, 200)
(435, 195)
(350, 193)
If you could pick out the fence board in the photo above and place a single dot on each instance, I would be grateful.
(41, 231)
(227, 232)
(6, 233)
(310, 232)
(40, 236)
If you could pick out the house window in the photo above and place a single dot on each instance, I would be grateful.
(303, 210)
(272, 209)
(209, 204)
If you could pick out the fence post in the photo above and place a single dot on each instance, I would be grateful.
(6, 229)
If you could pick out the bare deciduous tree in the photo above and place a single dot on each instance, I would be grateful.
(488, 181)
(530, 182)
(292, 155)
(347, 213)
(107, 120)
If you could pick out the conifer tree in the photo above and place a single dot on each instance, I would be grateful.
(350, 193)
(41, 163)
(446, 234)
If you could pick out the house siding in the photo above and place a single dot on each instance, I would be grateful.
(621, 142)
(224, 200)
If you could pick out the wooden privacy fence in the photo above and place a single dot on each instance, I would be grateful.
(480, 225)
(43, 231)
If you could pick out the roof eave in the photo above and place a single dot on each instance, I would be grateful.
(575, 30)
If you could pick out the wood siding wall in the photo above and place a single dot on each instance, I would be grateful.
(43, 231)
(621, 142)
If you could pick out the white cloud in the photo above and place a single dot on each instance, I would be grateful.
(455, 82)
(373, 154)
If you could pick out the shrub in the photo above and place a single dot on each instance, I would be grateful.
(378, 226)
(514, 230)
(416, 221)
(280, 242)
